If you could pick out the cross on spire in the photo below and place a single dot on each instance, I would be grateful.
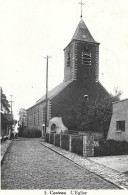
(81, 3)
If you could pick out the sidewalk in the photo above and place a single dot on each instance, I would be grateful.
(4, 148)
(118, 162)
(111, 175)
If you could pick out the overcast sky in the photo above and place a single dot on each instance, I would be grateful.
(33, 29)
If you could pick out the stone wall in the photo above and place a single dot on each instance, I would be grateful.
(84, 143)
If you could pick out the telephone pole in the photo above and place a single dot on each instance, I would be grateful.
(46, 112)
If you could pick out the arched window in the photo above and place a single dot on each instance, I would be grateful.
(53, 128)
(34, 119)
(38, 117)
(68, 58)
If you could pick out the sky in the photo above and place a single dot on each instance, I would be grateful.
(32, 29)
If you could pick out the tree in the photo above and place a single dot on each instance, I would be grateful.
(96, 114)
(70, 120)
(22, 120)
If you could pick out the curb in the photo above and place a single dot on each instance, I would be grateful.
(88, 164)
(5, 152)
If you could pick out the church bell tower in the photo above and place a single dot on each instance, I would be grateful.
(81, 57)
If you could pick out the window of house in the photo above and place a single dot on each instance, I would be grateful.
(68, 58)
(120, 125)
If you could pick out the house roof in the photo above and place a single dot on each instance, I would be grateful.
(55, 91)
(120, 101)
(8, 118)
(82, 33)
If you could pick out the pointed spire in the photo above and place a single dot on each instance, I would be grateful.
(82, 33)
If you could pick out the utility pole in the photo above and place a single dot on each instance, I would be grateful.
(11, 111)
(46, 112)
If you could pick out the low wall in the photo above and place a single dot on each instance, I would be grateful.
(79, 144)
(57, 140)
(51, 138)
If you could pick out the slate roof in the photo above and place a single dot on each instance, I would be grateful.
(55, 91)
(82, 33)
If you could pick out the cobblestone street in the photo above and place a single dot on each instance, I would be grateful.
(30, 165)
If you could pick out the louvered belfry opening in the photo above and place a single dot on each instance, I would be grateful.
(86, 56)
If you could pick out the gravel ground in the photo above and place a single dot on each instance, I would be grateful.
(30, 165)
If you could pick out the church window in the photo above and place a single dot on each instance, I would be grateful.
(84, 36)
(44, 110)
(68, 58)
(34, 119)
(86, 56)
(38, 117)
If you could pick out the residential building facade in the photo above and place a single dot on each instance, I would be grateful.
(6, 118)
(118, 129)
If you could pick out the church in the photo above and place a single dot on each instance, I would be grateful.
(81, 80)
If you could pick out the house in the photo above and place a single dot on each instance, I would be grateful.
(6, 117)
(118, 129)
(81, 80)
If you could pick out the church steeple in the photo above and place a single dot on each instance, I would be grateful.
(82, 56)
(82, 33)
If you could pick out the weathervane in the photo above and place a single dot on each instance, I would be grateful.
(81, 3)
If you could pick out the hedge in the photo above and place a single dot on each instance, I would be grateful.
(111, 147)
(32, 133)
(77, 144)
(57, 140)
(65, 142)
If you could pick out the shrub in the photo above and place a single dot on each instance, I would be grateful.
(65, 141)
(111, 147)
(32, 133)
(57, 140)
(77, 144)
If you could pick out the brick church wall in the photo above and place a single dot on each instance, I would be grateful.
(72, 97)
(69, 62)
(87, 72)
(36, 116)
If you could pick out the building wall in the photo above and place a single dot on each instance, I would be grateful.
(73, 64)
(36, 116)
(72, 97)
(69, 62)
(120, 113)
(87, 72)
